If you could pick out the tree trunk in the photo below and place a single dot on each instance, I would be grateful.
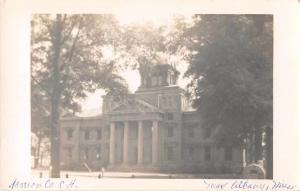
(55, 98)
(55, 170)
(252, 147)
(41, 159)
(269, 152)
(248, 150)
(258, 144)
(37, 156)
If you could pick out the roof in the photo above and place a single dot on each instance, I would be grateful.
(81, 118)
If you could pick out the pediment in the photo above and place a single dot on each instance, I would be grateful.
(134, 105)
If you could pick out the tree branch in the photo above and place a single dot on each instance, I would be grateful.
(70, 31)
(41, 86)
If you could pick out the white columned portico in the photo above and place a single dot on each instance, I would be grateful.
(154, 142)
(112, 143)
(125, 143)
(140, 142)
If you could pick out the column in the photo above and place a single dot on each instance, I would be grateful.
(125, 144)
(154, 142)
(243, 150)
(140, 142)
(112, 143)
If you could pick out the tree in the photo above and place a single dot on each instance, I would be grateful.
(147, 44)
(231, 68)
(39, 127)
(66, 63)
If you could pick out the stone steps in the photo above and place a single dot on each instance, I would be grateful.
(132, 168)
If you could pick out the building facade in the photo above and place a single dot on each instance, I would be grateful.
(150, 130)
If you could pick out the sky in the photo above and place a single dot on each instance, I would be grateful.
(159, 18)
(92, 105)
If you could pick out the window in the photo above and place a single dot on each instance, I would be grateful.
(170, 78)
(173, 79)
(170, 116)
(136, 133)
(170, 153)
(191, 152)
(154, 80)
(86, 154)
(98, 153)
(163, 99)
(191, 132)
(70, 152)
(69, 133)
(116, 99)
(228, 154)
(87, 135)
(207, 132)
(207, 153)
(160, 80)
(133, 133)
(170, 131)
(99, 134)
(253, 171)
(169, 101)
(144, 81)
(108, 131)
(33, 150)
(148, 82)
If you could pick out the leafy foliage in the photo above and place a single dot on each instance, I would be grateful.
(81, 66)
(66, 62)
(231, 70)
(147, 44)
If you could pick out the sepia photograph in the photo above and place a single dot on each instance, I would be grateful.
(173, 96)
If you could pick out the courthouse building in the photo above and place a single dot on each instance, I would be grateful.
(153, 129)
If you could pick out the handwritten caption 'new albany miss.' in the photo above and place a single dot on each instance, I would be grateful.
(249, 185)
